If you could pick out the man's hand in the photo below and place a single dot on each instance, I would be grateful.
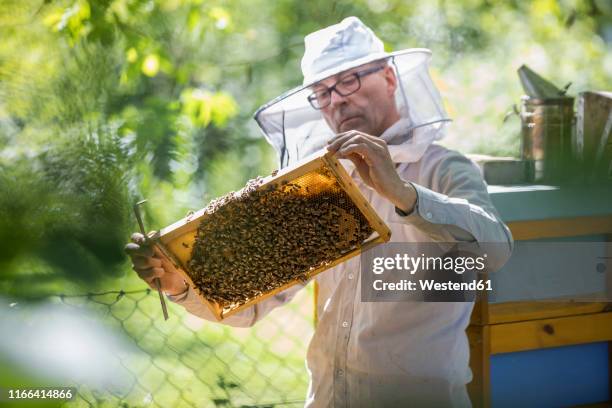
(375, 166)
(149, 264)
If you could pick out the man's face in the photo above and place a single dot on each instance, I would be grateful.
(371, 109)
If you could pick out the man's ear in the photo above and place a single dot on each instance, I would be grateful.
(391, 79)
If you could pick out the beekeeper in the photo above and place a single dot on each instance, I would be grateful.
(381, 112)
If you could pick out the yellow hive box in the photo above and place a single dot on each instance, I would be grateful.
(317, 173)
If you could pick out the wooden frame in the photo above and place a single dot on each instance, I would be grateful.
(492, 339)
(544, 333)
(479, 389)
(561, 227)
(497, 313)
(485, 313)
(519, 326)
(175, 241)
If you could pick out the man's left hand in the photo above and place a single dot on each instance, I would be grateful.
(375, 166)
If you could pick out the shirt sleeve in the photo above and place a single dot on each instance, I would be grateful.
(245, 318)
(461, 210)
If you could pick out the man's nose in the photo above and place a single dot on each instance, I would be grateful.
(336, 98)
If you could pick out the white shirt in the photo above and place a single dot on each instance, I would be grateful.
(395, 353)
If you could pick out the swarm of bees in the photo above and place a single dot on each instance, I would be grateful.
(260, 238)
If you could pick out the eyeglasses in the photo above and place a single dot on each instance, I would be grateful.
(345, 86)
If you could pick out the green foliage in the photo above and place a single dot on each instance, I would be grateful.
(106, 101)
(67, 207)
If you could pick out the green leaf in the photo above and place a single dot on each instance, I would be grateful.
(150, 65)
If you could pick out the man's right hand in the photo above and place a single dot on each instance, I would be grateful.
(149, 264)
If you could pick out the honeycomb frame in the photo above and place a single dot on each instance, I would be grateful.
(175, 241)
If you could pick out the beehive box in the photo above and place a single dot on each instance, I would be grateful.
(212, 247)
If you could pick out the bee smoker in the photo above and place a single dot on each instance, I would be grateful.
(547, 128)
(547, 137)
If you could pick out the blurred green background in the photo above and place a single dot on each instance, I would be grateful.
(103, 103)
(106, 102)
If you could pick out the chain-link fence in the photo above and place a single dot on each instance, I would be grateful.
(189, 362)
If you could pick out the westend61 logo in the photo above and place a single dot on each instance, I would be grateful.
(463, 271)
(429, 272)
(431, 267)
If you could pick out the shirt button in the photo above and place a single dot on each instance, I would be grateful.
(344, 324)
(429, 215)
(350, 276)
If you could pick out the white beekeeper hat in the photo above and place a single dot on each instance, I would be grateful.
(295, 129)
